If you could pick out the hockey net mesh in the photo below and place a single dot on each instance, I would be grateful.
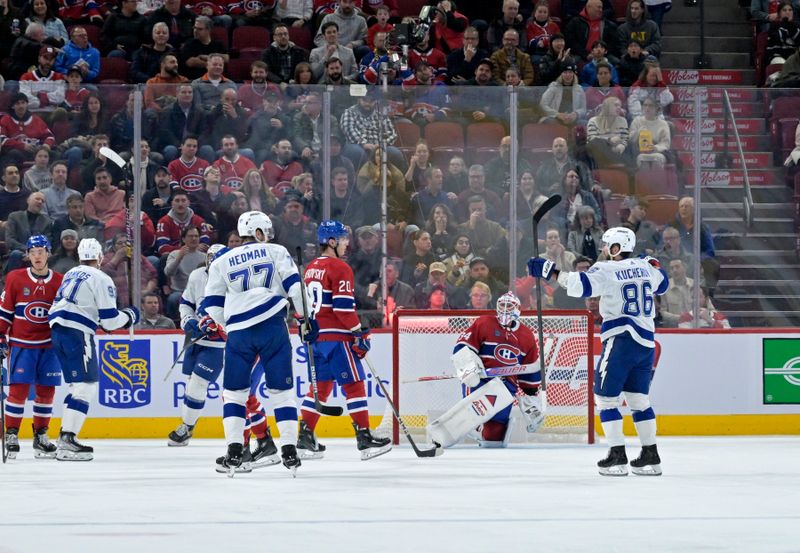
(424, 342)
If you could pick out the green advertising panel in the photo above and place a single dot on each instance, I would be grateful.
(781, 370)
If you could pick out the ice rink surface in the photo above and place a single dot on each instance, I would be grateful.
(716, 494)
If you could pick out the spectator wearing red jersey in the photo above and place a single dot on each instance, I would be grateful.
(187, 170)
(283, 165)
(21, 133)
(539, 31)
(171, 226)
(118, 223)
(43, 86)
(253, 92)
(77, 12)
(233, 165)
(434, 57)
(382, 25)
(448, 28)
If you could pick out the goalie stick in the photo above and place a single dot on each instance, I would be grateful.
(432, 452)
(330, 410)
(548, 204)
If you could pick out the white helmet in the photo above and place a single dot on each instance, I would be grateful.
(508, 309)
(214, 251)
(624, 237)
(90, 250)
(251, 221)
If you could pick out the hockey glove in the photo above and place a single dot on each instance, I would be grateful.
(652, 261)
(309, 330)
(3, 348)
(470, 376)
(532, 410)
(540, 267)
(192, 329)
(211, 329)
(133, 316)
(361, 343)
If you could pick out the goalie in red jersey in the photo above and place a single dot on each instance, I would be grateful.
(493, 342)
(341, 345)
(24, 305)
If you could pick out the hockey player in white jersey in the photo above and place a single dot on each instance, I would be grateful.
(86, 300)
(202, 364)
(626, 286)
(247, 292)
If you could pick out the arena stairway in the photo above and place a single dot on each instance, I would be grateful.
(759, 279)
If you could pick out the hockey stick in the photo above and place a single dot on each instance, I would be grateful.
(548, 204)
(3, 410)
(487, 373)
(435, 451)
(330, 410)
(186, 346)
(117, 160)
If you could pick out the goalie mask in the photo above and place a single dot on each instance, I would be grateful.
(508, 309)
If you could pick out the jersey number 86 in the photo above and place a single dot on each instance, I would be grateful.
(637, 299)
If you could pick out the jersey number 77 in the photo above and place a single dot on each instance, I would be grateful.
(254, 276)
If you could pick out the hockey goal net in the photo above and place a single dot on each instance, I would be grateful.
(424, 340)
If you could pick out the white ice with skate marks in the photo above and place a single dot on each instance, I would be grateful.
(717, 494)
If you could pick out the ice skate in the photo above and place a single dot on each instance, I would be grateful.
(42, 447)
(615, 463)
(12, 443)
(290, 459)
(244, 468)
(265, 453)
(648, 463)
(70, 449)
(307, 444)
(180, 436)
(234, 461)
(370, 446)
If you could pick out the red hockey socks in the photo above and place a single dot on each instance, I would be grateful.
(256, 417)
(43, 406)
(15, 404)
(357, 403)
(307, 410)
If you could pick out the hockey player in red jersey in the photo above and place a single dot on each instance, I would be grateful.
(24, 306)
(341, 344)
(493, 342)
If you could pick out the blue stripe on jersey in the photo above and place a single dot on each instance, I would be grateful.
(214, 301)
(234, 410)
(184, 301)
(285, 414)
(6, 315)
(254, 312)
(587, 286)
(627, 321)
(357, 404)
(344, 304)
(74, 317)
(460, 345)
(15, 411)
(327, 298)
(162, 241)
(290, 281)
(662, 288)
(110, 313)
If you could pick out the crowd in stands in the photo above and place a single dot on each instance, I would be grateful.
(232, 123)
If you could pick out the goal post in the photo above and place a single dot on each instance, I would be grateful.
(423, 341)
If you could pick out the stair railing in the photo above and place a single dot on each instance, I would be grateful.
(747, 199)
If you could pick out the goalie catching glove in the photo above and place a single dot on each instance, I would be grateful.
(540, 267)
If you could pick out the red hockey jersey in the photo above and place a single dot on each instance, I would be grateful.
(189, 176)
(15, 134)
(232, 172)
(24, 306)
(498, 346)
(329, 282)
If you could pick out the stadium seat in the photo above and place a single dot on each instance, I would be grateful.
(483, 141)
(555, 10)
(220, 34)
(250, 36)
(614, 179)
(445, 139)
(408, 134)
(301, 36)
(651, 182)
(661, 208)
(115, 97)
(238, 69)
(760, 57)
(540, 136)
(411, 7)
(620, 7)
(113, 71)
(613, 206)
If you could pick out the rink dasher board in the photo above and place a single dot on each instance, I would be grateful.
(707, 382)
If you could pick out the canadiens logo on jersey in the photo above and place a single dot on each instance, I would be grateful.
(191, 183)
(124, 373)
(507, 354)
(36, 312)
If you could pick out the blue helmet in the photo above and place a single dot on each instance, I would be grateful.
(330, 229)
(38, 241)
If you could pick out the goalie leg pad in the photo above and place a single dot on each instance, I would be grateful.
(475, 409)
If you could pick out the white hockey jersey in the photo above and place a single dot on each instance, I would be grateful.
(250, 284)
(626, 289)
(87, 299)
(191, 299)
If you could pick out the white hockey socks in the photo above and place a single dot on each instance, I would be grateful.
(285, 409)
(643, 417)
(611, 419)
(76, 406)
(194, 400)
(234, 414)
